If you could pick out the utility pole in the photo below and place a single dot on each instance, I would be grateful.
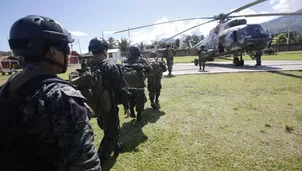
(288, 30)
(128, 35)
(1, 46)
(102, 34)
(80, 46)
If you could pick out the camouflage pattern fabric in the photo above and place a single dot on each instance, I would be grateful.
(137, 100)
(137, 95)
(58, 119)
(169, 55)
(113, 81)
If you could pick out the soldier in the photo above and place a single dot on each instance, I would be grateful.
(201, 58)
(45, 125)
(113, 82)
(169, 54)
(134, 71)
(154, 79)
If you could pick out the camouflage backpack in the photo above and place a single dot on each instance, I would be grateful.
(90, 83)
(134, 75)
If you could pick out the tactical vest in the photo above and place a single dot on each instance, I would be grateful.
(157, 68)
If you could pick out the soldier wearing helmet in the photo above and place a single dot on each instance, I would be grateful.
(135, 68)
(113, 81)
(154, 79)
(169, 54)
(48, 120)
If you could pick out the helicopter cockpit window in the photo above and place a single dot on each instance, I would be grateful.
(255, 29)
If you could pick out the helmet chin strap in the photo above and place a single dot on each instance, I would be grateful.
(63, 67)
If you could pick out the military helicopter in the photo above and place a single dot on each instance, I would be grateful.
(230, 36)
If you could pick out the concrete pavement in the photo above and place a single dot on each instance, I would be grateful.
(228, 67)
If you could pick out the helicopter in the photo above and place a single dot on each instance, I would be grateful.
(229, 37)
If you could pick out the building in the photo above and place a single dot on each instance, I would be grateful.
(74, 57)
(114, 55)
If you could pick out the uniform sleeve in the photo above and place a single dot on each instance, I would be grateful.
(119, 84)
(147, 65)
(73, 131)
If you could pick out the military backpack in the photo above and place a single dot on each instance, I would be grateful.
(92, 87)
(134, 75)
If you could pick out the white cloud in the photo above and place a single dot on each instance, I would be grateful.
(109, 32)
(167, 30)
(286, 5)
(77, 33)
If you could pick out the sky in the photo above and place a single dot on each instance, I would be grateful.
(87, 19)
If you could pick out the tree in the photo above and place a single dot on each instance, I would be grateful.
(112, 43)
(177, 43)
(141, 46)
(123, 45)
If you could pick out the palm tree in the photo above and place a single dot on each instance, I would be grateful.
(112, 43)
(123, 45)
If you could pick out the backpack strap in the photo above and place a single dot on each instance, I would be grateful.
(26, 89)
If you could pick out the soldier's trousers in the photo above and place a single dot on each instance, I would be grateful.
(137, 100)
(110, 123)
(154, 87)
(170, 62)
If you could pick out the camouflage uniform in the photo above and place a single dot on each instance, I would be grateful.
(57, 117)
(114, 82)
(201, 58)
(137, 94)
(154, 80)
(169, 54)
(50, 128)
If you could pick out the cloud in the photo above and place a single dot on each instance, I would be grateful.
(109, 32)
(167, 30)
(77, 33)
(286, 5)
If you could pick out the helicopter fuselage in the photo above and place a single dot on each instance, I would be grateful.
(234, 37)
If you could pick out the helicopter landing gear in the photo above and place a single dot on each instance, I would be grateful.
(237, 61)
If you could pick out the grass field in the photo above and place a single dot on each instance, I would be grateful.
(295, 55)
(217, 122)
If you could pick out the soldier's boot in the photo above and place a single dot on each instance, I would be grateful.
(118, 148)
(139, 116)
(153, 105)
(132, 113)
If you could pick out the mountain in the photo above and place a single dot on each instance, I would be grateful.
(281, 24)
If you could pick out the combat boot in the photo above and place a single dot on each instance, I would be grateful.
(132, 113)
(153, 105)
(118, 148)
(139, 116)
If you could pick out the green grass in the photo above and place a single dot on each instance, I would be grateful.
(217, 122)
(294, 55)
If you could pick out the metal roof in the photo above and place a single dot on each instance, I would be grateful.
(112, 50)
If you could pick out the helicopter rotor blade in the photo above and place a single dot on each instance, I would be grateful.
(189, 29)
(149, 25)
(267, 14)
(244, 7)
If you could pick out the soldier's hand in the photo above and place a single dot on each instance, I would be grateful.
(127, 113)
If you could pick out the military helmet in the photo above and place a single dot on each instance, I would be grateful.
(153, 54)
(133, 50)
(168, 45)
(98, 44)
(30, 35)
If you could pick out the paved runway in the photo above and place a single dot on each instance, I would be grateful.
(225, 67)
